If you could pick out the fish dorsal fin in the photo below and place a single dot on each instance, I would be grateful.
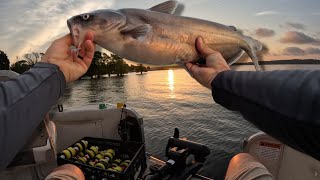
(137, 31)
(168, 7)
(233, 28)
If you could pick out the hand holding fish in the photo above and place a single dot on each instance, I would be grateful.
(70, 63)
(215, 64)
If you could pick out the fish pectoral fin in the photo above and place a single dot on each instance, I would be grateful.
(168, 7)
(235, 58)
(137, 31)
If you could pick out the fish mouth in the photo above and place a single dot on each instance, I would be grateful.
(75, 33)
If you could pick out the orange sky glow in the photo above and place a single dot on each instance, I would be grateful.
(290, 29)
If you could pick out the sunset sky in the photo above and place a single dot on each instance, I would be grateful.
(290, 28)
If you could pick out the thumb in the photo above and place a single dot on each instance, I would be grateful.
(89, 52)
(66, 39)
(202, 48)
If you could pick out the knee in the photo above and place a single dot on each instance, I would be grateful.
(67, 171)
(245, 166)
(241, 158)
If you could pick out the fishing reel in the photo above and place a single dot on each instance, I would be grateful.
(178, 166)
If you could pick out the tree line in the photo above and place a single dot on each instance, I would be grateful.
(19, 66)
(102, 64)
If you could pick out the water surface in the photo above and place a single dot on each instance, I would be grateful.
(169, 99)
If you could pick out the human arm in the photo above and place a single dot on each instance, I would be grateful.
(284, 104)
(25, 100)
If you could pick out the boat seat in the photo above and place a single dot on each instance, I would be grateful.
(38, 149)
(283, 162)
(37, 157)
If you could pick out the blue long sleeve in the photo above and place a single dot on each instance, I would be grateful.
(284, 104)
(24, 102)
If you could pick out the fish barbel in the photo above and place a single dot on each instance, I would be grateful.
(156, 36)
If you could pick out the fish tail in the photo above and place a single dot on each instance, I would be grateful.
(254, 46)
(255, 60)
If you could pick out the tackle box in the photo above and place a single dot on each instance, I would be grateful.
(135, 151)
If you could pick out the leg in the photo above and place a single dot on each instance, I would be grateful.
(66, 172)
(244, 166)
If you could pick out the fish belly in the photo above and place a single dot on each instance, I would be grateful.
(169, 44)
(160, 50)
(173, 38)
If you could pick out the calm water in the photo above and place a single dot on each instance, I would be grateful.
(169, 99)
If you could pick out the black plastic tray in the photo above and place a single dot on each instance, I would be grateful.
(135, 151)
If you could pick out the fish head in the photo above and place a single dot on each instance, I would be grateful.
(104, 24)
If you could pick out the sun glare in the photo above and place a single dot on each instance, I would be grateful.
(171, 83)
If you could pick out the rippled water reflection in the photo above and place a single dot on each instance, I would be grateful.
(169, 99)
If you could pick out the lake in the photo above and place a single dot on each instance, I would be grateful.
(171, 98)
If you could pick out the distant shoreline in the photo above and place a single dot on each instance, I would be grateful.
(275, 62)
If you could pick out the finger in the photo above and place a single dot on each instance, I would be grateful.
(88, 36)
(89, 52)
(82, 52)
(214, 58)
(80, 57)
(193, 68)
(202, 48)
(81, 62)
(74, 56)
(82, 49)
(189, 65)
(66, 39)
(77, 59)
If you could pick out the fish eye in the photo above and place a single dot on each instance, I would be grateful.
(85, 17)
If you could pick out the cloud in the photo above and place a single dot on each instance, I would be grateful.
(298, 26)
(265, 13)
(296, 51)
(193, 2)
(264, 32)
(312, 50)
(32, 25)
(295, 37)
(293, 51)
